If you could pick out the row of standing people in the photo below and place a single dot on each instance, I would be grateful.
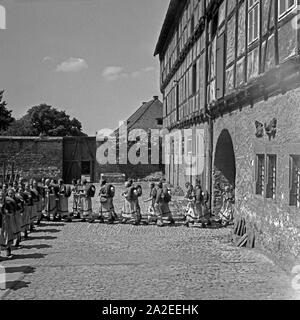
(21, 208)
(24, 204)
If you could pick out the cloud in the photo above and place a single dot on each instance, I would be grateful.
(72, 65)
(112, 73)
(48, 59)
(138, 73)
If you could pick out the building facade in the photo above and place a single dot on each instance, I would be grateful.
(230, 74)
(139, 132)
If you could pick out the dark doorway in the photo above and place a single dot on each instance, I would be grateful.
(224, 167)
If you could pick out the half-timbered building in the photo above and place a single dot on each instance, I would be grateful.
(230, 73)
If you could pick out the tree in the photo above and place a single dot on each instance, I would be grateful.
(45, 120)
(51, 122)
(20, 127)
(5, 115)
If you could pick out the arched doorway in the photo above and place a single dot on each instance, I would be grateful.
(224, 172)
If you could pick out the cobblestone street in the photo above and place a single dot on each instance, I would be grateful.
(93, 261)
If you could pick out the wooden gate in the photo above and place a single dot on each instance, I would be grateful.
(79, 158)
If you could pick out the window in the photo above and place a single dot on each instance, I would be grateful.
(295, 181)
(266, 175)
(194, 79)
(271, 186)
(285, 6)
(192, 24)
(189, 147)
(253, 21)
(85, 167)
(159, 121)
(260, 174)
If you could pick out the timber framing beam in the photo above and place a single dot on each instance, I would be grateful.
(281, 79)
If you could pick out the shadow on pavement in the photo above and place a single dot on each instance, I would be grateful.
(16, 285)
(29, 256)
(52, 224)
(36, 246)
(48, 231)
(42, 238)
(23, 269)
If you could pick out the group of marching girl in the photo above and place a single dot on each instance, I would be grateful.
(131, 210)
(24, 204)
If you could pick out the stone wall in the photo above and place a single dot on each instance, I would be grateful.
(275, 223)
(32, 157)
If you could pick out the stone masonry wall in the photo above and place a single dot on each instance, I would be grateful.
(275, 223)
(33, 157)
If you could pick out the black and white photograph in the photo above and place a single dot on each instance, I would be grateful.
(149, 154)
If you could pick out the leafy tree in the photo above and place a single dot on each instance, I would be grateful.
(5, 115)
(20, 127)
(49, 121)
(45, 120)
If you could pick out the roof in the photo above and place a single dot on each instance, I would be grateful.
(175, 7)
(139, 113)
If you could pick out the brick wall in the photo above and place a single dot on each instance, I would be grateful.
(275, 223)
(33, 157)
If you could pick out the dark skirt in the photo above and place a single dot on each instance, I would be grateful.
(7, 230)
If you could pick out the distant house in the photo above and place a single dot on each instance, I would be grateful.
(148, 118)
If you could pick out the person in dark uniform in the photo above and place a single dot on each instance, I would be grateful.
(8, 228)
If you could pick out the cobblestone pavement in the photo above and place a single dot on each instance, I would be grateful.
(95, 261)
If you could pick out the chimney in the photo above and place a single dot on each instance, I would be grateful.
(155, 97)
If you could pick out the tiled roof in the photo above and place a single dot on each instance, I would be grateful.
(175, 7)
(139, 113)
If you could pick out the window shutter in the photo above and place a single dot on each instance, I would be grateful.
(256, 174)
(220, 66)
(291, 181)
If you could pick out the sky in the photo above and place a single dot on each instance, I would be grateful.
(92, 58)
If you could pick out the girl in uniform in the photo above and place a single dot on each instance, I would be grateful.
(7, 208)
(226, 212)
(190, 211)
(63, 209)
(161, 205)
(75, 198)
(50, 201)
(152, 216)
(137, 194)
(20, 208)
(29, 212)
(107, 193)
(129, 206)
(86, 203)
(36, 201)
